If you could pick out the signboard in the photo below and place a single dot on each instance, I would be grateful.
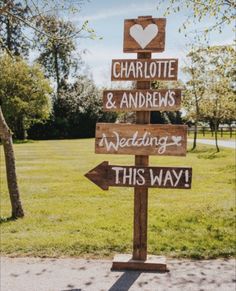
(105, 175)
(139, 139)
(144, 69)
(140, 100)
(144, 34)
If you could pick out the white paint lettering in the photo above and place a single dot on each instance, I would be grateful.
(156, 178)
(168, 178)
(117, 170)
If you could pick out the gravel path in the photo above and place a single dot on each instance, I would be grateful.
(35, 274)
(221, 143)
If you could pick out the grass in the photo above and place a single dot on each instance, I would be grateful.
(67, 215)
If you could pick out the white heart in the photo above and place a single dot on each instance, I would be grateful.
(176, 140)
(143, 36)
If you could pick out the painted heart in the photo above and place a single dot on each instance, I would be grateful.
(143, 36)
(177, 139)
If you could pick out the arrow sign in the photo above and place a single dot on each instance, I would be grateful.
(105, 175)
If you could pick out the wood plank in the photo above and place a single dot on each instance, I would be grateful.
(151, 263)
(144, 69)
(141, 194)
(142, 100)
(105, 175)
(138, 139)
(145, 34)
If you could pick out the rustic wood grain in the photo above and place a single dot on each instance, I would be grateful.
(120, 136)
(105, 175)
(156, 45)
(142, 100)
(144, 69)
(141, 195)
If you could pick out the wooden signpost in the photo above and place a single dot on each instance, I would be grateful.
(143, 36)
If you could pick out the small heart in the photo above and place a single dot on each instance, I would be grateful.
(177, 139)
(143, 36)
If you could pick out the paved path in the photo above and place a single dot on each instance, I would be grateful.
(35, 274)
(221, 143)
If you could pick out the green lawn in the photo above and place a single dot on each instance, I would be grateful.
(66, 215)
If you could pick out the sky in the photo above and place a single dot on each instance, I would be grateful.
(107, 17)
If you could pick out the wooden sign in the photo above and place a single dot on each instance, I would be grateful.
(144, 69)
(144, 35)
(140, 100)
(141, 139)
(105, 175)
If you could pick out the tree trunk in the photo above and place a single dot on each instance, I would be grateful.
(195, 123)
(56, 67)
(9, 44)
(216, 124)
(195, 136)
(196, 99)
(216, 135)
(6, 137)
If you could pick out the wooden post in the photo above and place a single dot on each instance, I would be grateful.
(141, 194)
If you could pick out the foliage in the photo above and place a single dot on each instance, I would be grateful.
(56, 46)
(173, 117)
(76, 110)
(20, 21)
(211, 71)
(24, 94)
(221, 11)
(12, 37)
(209, 92)
(219, 72)
(67, 215)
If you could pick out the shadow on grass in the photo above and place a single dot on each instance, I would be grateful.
(207, 154)
(7, 219)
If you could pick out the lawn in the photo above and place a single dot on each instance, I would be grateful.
(67, 215)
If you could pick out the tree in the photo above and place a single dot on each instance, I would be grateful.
(19, 21)
(24, 94)
(218, 105)
(222, 11)
(210, 93)
(14, 193)
(56, 47)
(12, 37)
(76, 109)
(173, 117)
(194, 90)
(35, 12)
